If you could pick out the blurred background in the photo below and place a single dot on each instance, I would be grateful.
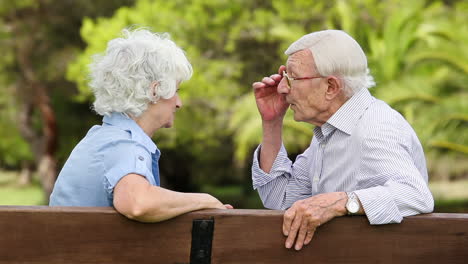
(417, 52)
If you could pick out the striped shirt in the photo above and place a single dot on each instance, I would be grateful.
(366, 147)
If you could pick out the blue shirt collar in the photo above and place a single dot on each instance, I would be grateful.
(124, 122)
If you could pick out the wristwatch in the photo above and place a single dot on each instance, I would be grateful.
(353, 203)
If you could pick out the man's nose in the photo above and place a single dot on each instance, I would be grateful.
(283, 87)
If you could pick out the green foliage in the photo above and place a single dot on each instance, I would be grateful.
(416, 49)
(418, 57)
(6, 6)
(38, 39)
(207, 98)
(425, 75)
(13, 148)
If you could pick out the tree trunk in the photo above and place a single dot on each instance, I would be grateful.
(47, 169)
(43, 144)
(47, 164)
(25, 177)
(34, 95)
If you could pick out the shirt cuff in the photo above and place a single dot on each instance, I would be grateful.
(379, 205)
(281, 167)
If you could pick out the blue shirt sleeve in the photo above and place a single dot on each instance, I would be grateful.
(124, 157)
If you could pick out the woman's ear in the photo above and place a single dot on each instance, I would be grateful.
(154, 91)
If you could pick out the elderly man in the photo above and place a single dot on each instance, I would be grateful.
(364, 158)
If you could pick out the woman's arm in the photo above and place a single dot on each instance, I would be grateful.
(137, 199)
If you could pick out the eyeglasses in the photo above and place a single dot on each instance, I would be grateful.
(290, 79)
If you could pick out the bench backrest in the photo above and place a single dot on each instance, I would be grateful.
(42, 234)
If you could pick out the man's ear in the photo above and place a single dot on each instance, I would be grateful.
(334, 87)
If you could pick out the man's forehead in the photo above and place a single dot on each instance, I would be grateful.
(300, 58)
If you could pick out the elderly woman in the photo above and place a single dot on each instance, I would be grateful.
(135, 83)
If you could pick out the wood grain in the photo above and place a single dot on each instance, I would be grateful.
(42, 234)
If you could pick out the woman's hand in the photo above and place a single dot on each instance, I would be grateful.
(213, 203)
(137, 199)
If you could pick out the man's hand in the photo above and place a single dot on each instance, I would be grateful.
(305, 216)
(271, 104)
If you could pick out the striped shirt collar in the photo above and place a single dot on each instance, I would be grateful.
(124, 122)
(348, 115)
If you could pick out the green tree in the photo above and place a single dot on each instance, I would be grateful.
(210, 32)
(38, 38)
(418, 59)
(415, 52)
(417, 56)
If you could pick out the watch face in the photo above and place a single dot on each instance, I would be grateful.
(353, 207)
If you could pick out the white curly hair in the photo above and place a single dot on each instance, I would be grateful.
(122, 76)
(336, 53)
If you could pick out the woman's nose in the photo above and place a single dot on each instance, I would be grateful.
(178, 101)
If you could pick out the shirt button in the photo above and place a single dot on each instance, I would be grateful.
(141, 158)
(315, 179)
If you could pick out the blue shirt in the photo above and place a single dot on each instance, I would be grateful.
(366, 147)
(105, 155)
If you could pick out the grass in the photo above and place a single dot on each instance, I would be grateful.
(12, 193)
(449, 196)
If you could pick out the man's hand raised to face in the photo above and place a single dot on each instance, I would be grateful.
(271, 105)
(305, 216)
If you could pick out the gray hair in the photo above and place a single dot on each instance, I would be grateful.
(121, 77)
(337, 53)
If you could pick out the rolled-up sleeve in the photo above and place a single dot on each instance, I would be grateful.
(122, 158)
(281, 167)
(286, 182)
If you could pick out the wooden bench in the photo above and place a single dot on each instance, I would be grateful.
(41, 234)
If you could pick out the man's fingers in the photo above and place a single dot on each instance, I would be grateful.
(281, 69)
(268, 81)
(273, 80)
(276, 77)
(296, 224)
(258, 85)
(228, 206)
(302, 234)
(309, 236)
(287, 220)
